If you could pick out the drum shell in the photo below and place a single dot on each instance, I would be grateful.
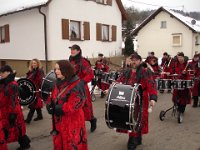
(48, 84)
(163, 84)
(120, 108)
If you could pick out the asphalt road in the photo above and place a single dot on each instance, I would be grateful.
(163, 135)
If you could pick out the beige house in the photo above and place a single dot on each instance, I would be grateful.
(44, 29)
(168, 31)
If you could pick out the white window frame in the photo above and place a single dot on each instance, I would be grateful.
(105, 35)
(76, 26)
(180, 39)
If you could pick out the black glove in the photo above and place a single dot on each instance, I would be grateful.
(50, 107)
(82, 82)
(58, 110)
(12, 118)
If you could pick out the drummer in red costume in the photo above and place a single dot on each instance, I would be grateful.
(137, 73)
(12, 125)
(84, 71)
(35, 74)
(181, 97)
(195, 72)
(102, 66)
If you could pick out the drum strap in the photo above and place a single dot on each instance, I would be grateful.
(63, 90)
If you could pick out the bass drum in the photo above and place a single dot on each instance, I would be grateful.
(48, 84)
(124, 107)
(27, 91)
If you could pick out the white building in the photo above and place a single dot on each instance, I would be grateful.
(44, 29)
(168, 31)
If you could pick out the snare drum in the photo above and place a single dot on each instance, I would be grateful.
(179, 84)
(163, 84)
(124, 107)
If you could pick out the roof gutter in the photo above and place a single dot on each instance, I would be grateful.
(45, 39)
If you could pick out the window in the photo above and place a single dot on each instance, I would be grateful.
(163, 25)
(176, 39)
(196, 40)
(4, 34)
(75, 30)
(106, 32)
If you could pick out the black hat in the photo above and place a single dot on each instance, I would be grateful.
(75, 47)
(180, 54)
(135, 56)
(165, 53)
(100, 54)
(6, 68)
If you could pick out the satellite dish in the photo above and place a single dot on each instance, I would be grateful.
(193, 22)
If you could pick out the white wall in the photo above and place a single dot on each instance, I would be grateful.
(26, 36)
(82, 10)
(152, 38)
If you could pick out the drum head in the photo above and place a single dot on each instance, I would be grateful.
(27, 91)
(48, 85)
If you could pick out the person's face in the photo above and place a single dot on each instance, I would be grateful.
(74, 52)
(196, 58)
(34, 64)
(58, 72)
(4, 75)
(100, 57)
(165, 56)
(180, 59)
(135, 63)
(153, 62)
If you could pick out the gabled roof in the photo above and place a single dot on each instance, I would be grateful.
(189, 22)
(10, 6)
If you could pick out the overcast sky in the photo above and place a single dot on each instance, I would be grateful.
(187, 5)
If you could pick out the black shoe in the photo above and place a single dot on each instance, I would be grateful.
(27, 121)
(93, 124)
(38, 118)
(102, 95)
(161, 91)
(24, 148)
(132, 143)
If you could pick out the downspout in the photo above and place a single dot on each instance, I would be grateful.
(45, 39)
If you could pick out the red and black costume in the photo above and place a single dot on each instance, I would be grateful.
(35, 75)
(180, 97)
(102, 66)
(144, 77)
(85, 73)
(195, 71)
(12, 125)
(68, 99)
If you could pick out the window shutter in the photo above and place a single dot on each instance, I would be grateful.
(114, 33)
(98, 32)
(86, 31)
(65, 28)
(7, 34)
(109, 2)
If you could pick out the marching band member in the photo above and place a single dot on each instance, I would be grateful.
(35, 74)
(67, 101)
(84, 71)
(12, 125)
(101, 65)
(195, 90)
(137, 73)
(153, 62)
(181, 97)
